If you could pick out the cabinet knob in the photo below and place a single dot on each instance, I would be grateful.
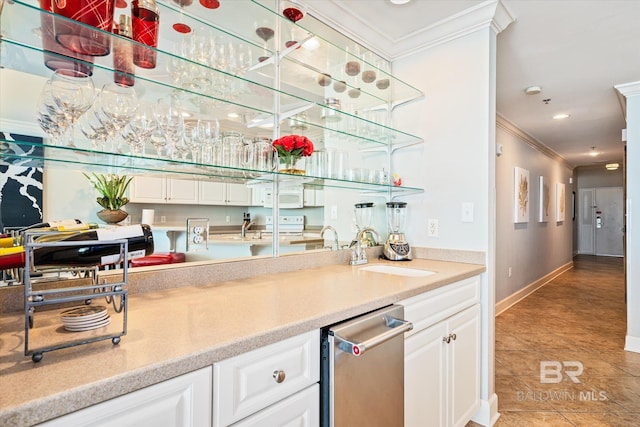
(447, 339)
(453, 337)
(279, 376)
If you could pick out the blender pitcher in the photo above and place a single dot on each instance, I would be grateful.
(396, 247)
(363, 213)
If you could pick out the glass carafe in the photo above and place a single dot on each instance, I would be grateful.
(363, 213)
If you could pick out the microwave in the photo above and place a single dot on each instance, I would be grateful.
(289, 198)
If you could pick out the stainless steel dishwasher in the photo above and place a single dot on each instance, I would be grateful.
(362, 372)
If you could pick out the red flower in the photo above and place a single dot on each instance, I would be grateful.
(293, 145)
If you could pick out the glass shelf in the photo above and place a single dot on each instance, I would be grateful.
(209, 91)
(34, 154)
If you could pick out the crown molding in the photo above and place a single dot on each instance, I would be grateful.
(629, 89)
(511, 128)
(489, 14)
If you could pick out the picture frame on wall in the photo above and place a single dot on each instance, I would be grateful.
(544, 199)
(521, 195)
(560, 202)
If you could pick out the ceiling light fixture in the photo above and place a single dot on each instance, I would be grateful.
(533, 90)
(561, 116)
(593, 152)
(399, 1)
(612, 166)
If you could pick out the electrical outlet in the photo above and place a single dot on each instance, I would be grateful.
(163, 219)
(228, 219)
(432, 228)
(334, 212)
(467, 212)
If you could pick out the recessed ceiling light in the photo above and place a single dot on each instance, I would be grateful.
(399, 1)
(533, 90)
(561, 116)
(233, 115)
(593, 152)
(612, 166)
(311, 44)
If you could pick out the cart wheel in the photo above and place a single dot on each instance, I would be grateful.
(36, 357)
(87, 301)
(115, 340)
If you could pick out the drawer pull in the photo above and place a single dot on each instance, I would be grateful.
(279, 376)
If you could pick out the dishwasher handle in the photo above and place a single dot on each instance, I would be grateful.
(397, 327)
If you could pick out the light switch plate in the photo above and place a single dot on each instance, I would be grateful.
(467, 212)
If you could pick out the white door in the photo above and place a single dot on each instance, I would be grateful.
(608, 221)
(586, 225)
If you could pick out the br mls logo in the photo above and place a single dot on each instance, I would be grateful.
(551, 371)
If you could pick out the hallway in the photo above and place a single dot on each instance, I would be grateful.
(559, 353)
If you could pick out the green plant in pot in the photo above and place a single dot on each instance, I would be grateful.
(112, 189)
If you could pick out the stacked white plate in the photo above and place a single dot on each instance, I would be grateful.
(85, 318)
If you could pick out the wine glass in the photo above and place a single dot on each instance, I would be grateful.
(91, 127)
(208, 132)
(140, 128)
(50, 118)
(73, 92)
(292, 10)
(119, 104)
(170, 121)
(265, 31)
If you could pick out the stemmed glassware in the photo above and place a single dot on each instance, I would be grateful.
(170, 121)
(208, 134)
(140, 128)
(50, 118)
(93, 128)
(118, 103)
(73, 92)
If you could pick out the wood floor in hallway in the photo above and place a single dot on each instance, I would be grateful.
(559, 352)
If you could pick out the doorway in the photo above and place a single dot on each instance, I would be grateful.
(600, 225)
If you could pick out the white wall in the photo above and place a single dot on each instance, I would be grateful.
(533, 249)
(456, 163)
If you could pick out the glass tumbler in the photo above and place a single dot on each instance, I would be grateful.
(85, 39)
(145, 22)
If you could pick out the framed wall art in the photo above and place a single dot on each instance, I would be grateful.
(544, 200)
(560, 202)
(521, 195)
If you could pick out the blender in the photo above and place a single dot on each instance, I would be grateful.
(396, 247)
(363, 212)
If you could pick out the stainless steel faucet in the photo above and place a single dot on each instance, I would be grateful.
(359, 255)
(336, 244)
(246, 224)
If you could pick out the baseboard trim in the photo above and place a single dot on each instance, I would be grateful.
(531, 288)
(488, 413)
(632, 344)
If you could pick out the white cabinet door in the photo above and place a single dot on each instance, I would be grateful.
(424, 378)
(253, 381)
(464, 366)
(181, 401)
(147, 189)
(218, 193)
(238, 195)
(182, 191)
(300, 410)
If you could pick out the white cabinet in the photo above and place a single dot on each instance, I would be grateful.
(442, 356)
(219, 193)
(252, 382)
(149, 189)
(181, 401)
(313, 197)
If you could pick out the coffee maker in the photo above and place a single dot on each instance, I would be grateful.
(396, 248)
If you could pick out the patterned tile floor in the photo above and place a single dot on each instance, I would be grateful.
(559, 353)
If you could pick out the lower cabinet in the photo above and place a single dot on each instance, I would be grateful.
(178, 402)
(270, 384)
(442, 356)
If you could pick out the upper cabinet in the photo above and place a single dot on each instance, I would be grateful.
(238, 67)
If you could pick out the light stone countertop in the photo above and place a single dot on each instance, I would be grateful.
(175, 331)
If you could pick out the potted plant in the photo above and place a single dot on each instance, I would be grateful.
(291, 148)
(112, 188)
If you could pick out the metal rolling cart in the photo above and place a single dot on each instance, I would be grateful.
(64, 285)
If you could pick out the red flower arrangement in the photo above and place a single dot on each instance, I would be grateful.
(291, 148)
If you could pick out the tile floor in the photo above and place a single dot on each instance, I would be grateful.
(579, 318)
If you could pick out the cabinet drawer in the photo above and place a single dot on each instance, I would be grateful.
(301, 410)
(431, 307)
(245, 384)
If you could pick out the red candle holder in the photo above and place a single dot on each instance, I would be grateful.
(79, 38)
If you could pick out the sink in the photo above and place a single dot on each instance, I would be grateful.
(397, 271)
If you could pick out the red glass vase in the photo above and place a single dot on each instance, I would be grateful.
(82, 38)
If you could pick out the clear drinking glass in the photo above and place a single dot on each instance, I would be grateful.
(140, 128)
(73, 92)
(119, 104)
(170, 122)
(50, 118)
